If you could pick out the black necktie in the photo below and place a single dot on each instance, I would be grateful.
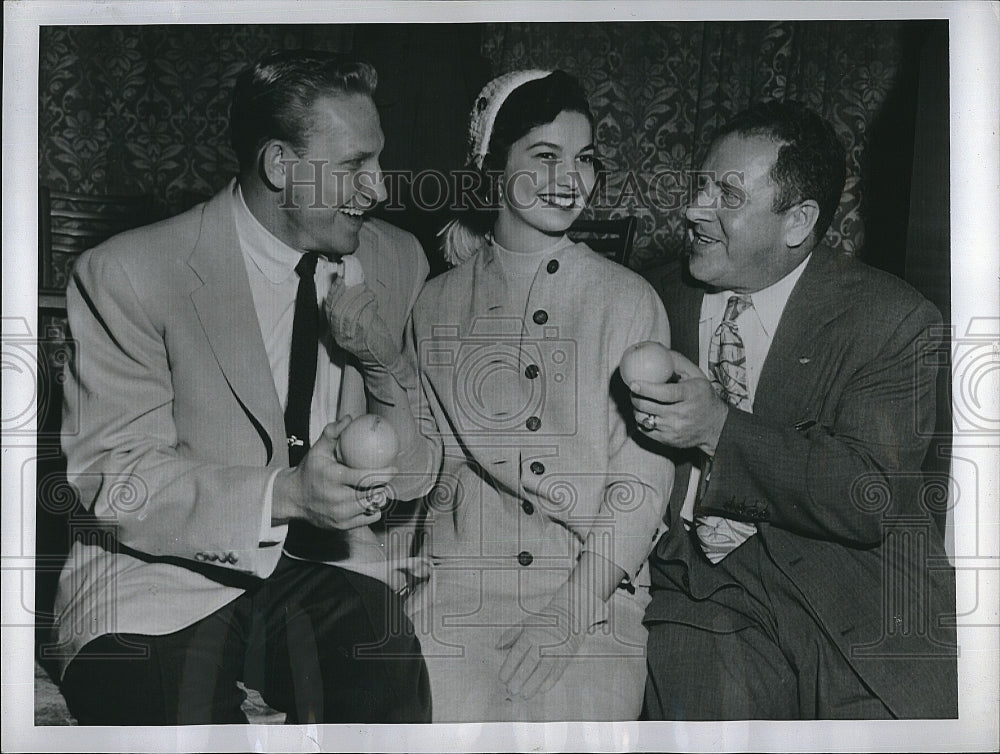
(302, 363)
(304, 540)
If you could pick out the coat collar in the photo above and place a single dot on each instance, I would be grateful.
(815, 301)
(492, 295)
(685, 332)
(373, 259)
(224, 305)
(490, 289)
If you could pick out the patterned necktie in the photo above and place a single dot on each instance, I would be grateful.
(727, 359)
(727, 367)
(302, 361)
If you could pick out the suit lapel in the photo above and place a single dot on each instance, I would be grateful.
(225, 307)
(687, 330)
(352, 398)
(489, 292)
(814, 302)
(684, 309)
(370, 254)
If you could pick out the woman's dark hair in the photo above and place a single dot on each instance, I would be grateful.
(811, 162)
(273, 98)
(532, 104)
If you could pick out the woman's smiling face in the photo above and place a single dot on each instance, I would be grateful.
(547, 180)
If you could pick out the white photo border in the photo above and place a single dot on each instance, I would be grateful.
(975, 243)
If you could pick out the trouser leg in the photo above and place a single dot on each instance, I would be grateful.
(829, 687)
(753, 649)
(184, 678)
(697, 674)
(339, 648)
(320, 643)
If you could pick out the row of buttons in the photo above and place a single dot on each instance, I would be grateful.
(533, 423)
(540, 317)
(537, 468)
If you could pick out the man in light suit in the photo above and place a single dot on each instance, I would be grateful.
(802, 575)
(180, 590)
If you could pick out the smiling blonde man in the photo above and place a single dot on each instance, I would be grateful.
(210, 393)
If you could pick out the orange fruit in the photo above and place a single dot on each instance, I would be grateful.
(647, 361)
(368, 442)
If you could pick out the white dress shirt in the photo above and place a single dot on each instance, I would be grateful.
(756, 327)
(274, 284)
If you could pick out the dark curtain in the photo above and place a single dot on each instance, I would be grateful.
(925, 260)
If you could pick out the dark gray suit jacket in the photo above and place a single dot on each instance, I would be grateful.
(828, 466)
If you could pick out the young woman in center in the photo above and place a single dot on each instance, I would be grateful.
(547, 507)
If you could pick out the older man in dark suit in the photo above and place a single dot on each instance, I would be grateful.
(801, 576)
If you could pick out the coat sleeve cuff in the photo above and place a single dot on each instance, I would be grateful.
(271, 536)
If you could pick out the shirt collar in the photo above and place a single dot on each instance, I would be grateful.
(769, 303)
(275, 259)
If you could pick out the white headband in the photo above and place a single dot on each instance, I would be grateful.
(488, 104)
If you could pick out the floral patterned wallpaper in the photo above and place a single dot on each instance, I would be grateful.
(143, 109)
(660, 89)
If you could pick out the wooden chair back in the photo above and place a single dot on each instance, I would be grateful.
(69, 224)
(612, 238)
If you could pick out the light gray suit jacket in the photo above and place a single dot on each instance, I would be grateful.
(180, 426)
